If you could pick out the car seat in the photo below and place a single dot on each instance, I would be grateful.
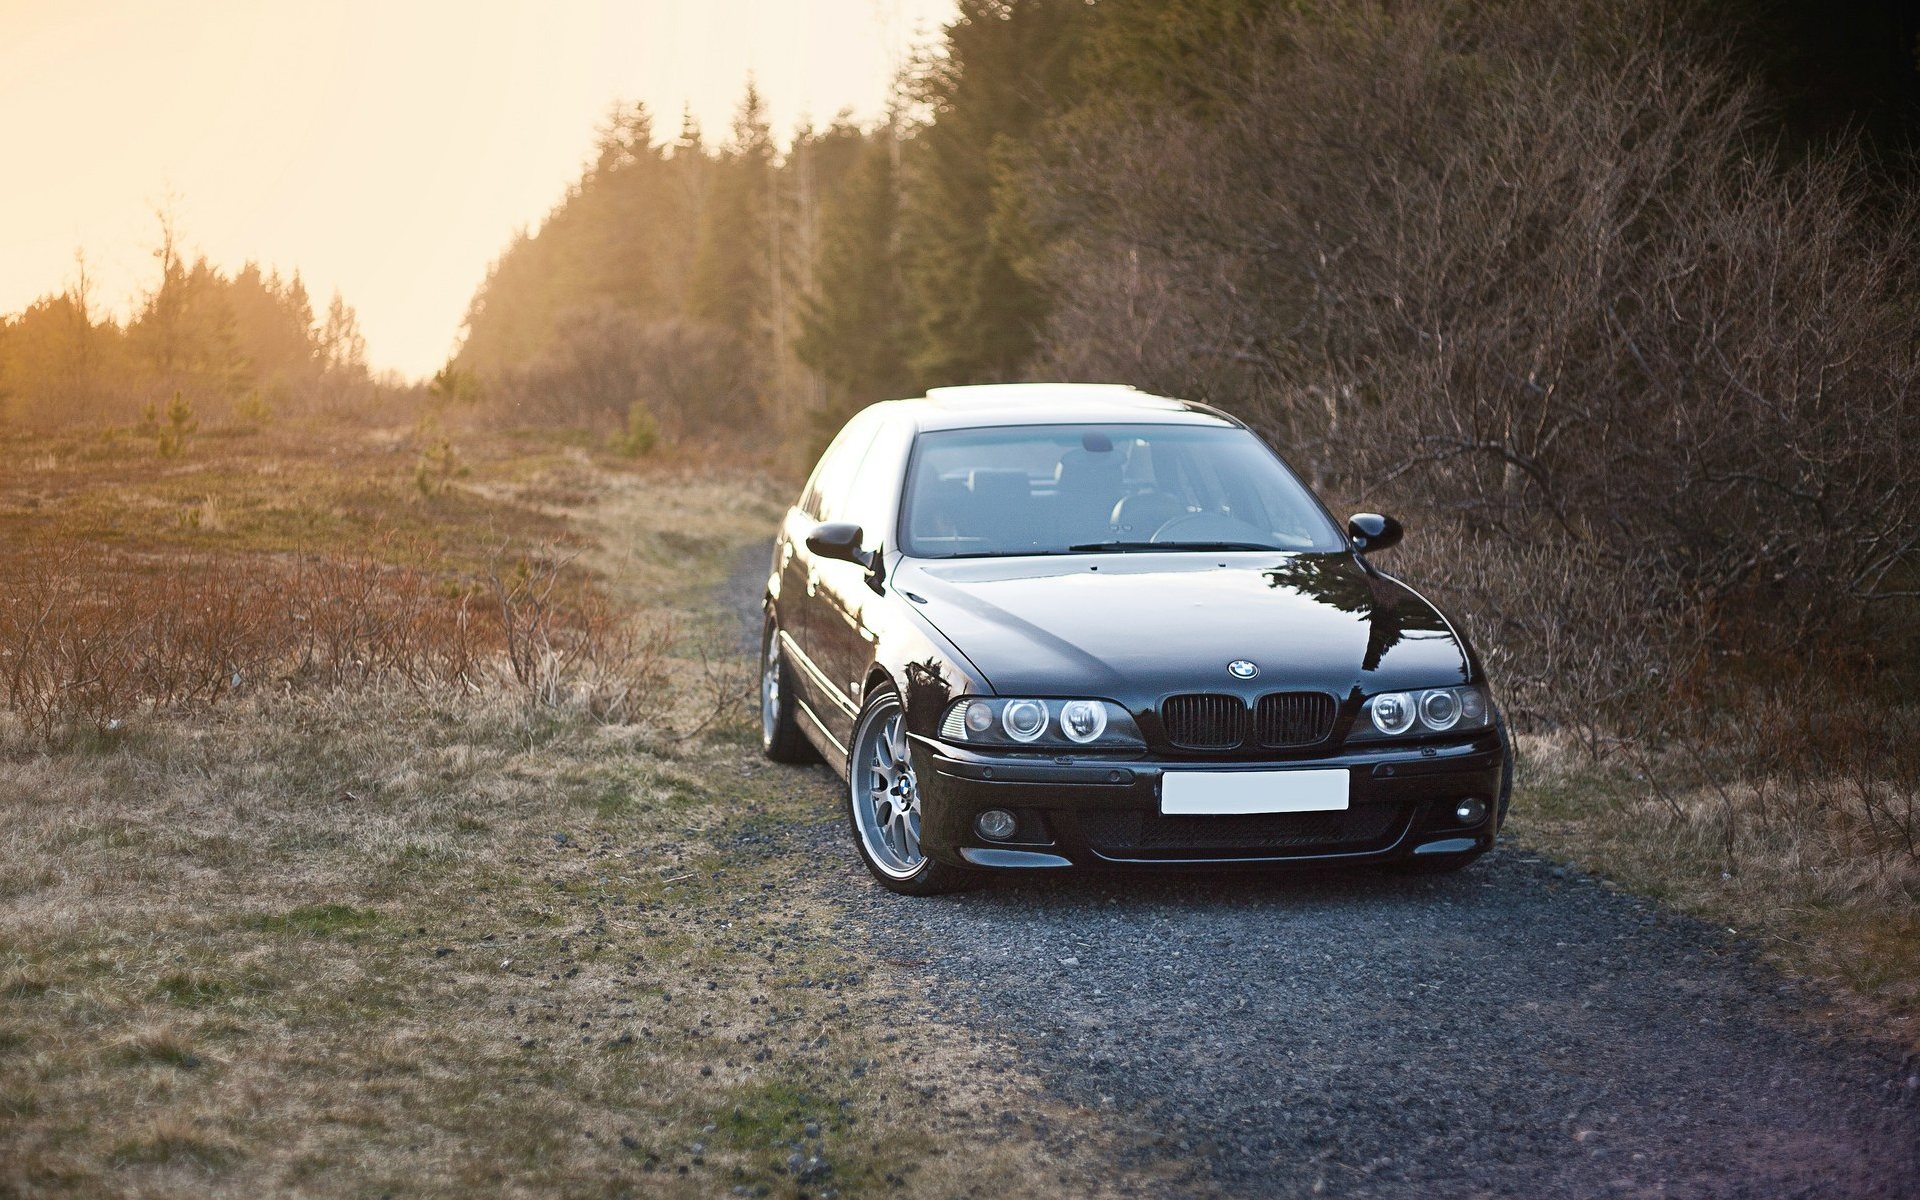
(1087, 484)
(1003, 508)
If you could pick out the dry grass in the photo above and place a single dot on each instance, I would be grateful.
(1820, 869)
(94, 631)
(344, 947)
(356, 940)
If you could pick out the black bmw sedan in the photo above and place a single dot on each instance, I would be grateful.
(1051, 625)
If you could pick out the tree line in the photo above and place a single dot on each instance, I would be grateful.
(200, 340)
(734, 286)
(1623, 320)
(1580, 285)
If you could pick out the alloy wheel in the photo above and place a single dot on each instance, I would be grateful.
(769, 693)
(886, 794)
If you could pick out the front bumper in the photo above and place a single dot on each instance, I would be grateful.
(1094, 811)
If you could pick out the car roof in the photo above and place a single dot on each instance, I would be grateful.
(993, 404)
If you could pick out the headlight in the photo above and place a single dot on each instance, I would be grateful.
(1083, 721)
(1024, 720)
(1435, 710)
(1439, 708)
(1040, 724)
(1393, 712)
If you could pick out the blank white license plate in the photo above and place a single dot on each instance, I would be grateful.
(1227, 793)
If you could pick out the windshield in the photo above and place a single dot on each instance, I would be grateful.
(1066, 489)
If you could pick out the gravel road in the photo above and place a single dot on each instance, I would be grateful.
(1515, 1030)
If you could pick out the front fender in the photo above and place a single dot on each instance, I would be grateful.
(922, 666)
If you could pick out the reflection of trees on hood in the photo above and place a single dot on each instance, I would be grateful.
(1332, 579)
(927, 685)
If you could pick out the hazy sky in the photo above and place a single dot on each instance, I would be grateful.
(387, 148)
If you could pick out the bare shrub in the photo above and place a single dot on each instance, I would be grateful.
(590, 375)
(1530, 271)
(1563, 633)
(90, 638)
(352, 622)
(1533, 277)
(605, 363)
(574, 653)
(702, 380)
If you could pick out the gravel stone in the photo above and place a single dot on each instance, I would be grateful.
(1370, 1035)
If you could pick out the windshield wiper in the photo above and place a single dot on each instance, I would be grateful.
(1095, 547)
(996, 554)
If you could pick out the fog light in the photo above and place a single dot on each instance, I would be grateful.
(1470, 811)
(996, 824)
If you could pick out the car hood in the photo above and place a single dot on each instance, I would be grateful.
(1138, 625)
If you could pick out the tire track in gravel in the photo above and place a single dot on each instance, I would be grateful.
(1515, 1030)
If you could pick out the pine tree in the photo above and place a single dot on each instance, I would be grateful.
(732, 269)
(856, 325)
(273, 322)
(186, 333)
(342, 348)
(1143, 52)
(9, 386)
(48, 361)
(1008, 64)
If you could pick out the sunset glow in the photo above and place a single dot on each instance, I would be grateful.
(384, 150)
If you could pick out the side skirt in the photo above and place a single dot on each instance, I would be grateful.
(823, 740)
(816, 730)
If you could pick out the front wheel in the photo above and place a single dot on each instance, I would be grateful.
(883, 800)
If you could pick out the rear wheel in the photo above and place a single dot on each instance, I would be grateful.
(780, 736)
(883, 801)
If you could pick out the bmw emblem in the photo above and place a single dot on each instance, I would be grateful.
(1240, 668)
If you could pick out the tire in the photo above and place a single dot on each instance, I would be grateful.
(780, 737)
(883, 806)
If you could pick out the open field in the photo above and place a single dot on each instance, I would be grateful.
(465, 932)
(452, 939)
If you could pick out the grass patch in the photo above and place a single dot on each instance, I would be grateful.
(161, 1047)
(19, 985)
(191, 989)
(317, 920)
(18, 1105)
(174, 1144)
(453, 945)
(1811, 868)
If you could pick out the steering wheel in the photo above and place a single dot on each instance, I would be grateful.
(1209, 527)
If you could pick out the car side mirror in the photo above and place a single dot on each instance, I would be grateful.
(840, 540)
(1372, 531)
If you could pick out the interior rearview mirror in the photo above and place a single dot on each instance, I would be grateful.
(1373, 531)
